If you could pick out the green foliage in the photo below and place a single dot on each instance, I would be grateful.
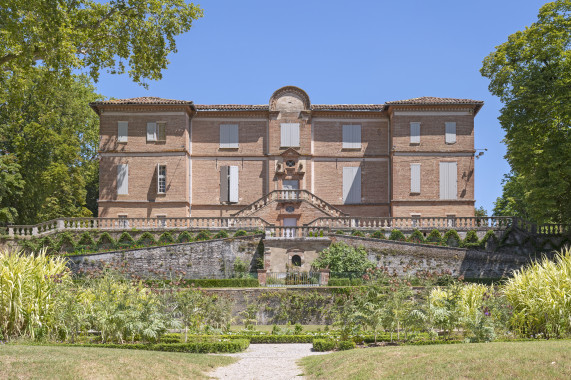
(86, 240)
(125, 240)
(166, 238)
(346, 345)
(222, 283)
(378, 234)
(340, 257)
(241, 268)
(339, 232)
(451, 238)
(203, 235)
(540, 298)
(184, 237)
(434, 237)
(490, 234)
(397, 235)
(28, 286)
(530, 74)
(416, 237)
(222, 234)
(323, 345)
(11, 187)
(49, 244)
(105, 241)
(345, 282)
(146, 239)
(240, 233)
(357, 233)
(471, 237)
(95, 36)
(205, 347)
(66, 242)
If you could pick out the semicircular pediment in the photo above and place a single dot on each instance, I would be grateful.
(289, 99)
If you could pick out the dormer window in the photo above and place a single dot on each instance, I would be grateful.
(290, 163)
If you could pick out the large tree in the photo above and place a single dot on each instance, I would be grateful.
(86, 34)
(531, 74)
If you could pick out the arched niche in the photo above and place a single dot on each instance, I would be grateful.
(289, 99)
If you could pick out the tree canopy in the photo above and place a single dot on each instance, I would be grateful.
(531, 74)
(85, 34)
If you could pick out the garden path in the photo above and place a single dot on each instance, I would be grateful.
(267, 361)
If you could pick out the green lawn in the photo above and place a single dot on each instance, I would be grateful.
(49, 362)
(510, 360)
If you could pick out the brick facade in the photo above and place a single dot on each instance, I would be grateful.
(312, 156)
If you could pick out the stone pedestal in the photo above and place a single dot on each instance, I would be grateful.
(262, 274)
(323, 277)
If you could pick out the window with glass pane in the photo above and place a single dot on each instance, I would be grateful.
(162, 188)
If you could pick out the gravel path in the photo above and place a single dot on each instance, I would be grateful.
(267, 361)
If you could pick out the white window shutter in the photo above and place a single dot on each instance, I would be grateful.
(357, 136)
(233, 184)
(233, 136)
(452, 180)
(224, 136)
(450, 132)
(415, 133)
(224, 184)
(285, 135)
(151, 131)
(415, 178)
(351, 185)
(294, 134)
(347, 137)
(448, 180)
(123, 179)
(122, 131)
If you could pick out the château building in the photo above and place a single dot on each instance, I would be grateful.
(289, 161)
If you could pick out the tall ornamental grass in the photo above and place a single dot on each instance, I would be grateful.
(541, 297)
(28, 287)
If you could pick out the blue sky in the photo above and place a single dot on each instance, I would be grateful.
(345, 52)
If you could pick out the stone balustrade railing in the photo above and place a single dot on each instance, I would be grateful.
(281, 232)
(75, 224)
(459, 223)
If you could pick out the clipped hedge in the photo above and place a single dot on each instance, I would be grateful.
(223, 283)
(416, 237)
(378, 235)
(322, 345)
(397, 235)
(346, 345)
(345, 282)
(434, 237)
(203, 235)
(221, 235)
(451, 238)
(240, 233)
(184, 237)
(225, 346)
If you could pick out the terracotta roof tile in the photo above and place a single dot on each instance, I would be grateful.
(232, 107)
(143, 100)
(435, 100)
(347, 107)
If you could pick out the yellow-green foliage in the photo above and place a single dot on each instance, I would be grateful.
(28, 285)
(471, 299)
(541, 296)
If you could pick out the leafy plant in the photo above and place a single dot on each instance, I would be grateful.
(378, 234)
(240, 233)
(434, 237)
(166, 238)
(340, 257)
(451, 238)
(222, 234)
(184, 237)
(416, 237)
(125, 240)
(105, 241)
(397, 235)
(146, 239)
(203, 235)
(357, 233)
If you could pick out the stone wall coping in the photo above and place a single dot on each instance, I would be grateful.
(401, 243)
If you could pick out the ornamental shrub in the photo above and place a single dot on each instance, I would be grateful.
(434, 237)
(378, 234)
(340, 257)
(451, 238)
(339, 232)
(166, 238)
(202, 235)
(86, 240)
(221, 235)
(416, 237)
(48, 244)
(66, 243)
(346, 345)
(489, 235)
(184, 237)
(322, 345)
(240, 233)
(125, 240)
(397, 235)
(146, 239)
(357, 233)
(105, 241)
(471, 240)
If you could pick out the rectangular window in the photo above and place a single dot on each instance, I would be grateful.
(122, 179)
(161, 179)
(415, 178)
(415, 133)
(351, 185)
(450, 132)
(351, 137)
(122, 131)
(229, 184)
(289, 135)
(448, 180)
(229, 136)
(151, 132)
